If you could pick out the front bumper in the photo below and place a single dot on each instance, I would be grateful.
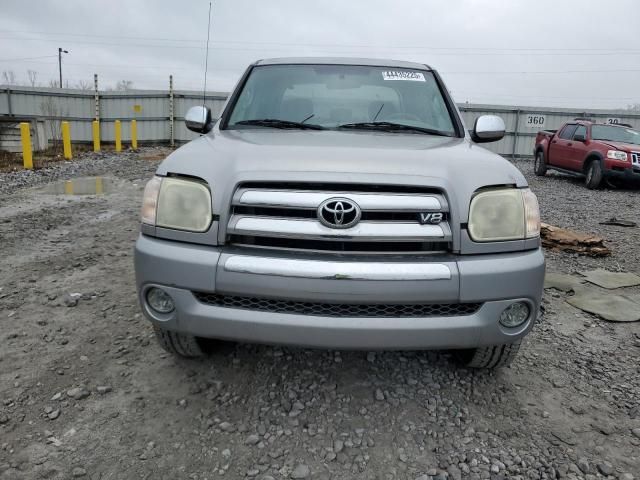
(630, 174)
(494, 280)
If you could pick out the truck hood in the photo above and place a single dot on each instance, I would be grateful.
(627, 147)
(229, 157)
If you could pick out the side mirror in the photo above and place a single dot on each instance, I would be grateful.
(488, 128)
(198, 119)
(580, 138)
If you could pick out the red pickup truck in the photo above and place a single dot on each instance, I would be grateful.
(595, 151)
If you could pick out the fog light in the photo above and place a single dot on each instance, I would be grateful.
(160, 300)
(515, 315)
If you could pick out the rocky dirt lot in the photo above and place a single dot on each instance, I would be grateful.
(85, 391)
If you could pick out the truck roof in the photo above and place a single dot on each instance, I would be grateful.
(370, 62)
(591, 121)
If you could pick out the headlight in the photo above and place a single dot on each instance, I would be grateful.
(176, 203)
(150, 201)
(504, 214)
(617, 155)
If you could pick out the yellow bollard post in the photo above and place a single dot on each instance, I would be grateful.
(68, 187)
(66, 140)
(134, 134)
(99, 187)
(118, 134)
(27, 154)
(96, 136)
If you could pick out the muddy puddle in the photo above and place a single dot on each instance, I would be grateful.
(81, 186)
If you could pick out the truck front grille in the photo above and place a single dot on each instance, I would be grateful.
(635, 158)
(338, 309)
(285, 216)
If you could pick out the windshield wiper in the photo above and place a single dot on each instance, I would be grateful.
(392, 127)
(277, 123)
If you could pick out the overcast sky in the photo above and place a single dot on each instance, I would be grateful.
(574, 53)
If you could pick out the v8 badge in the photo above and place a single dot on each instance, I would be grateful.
(430, 218)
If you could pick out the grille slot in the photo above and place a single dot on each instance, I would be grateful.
(338, 246)
(285, 216)
(338, 310)
(635, 158)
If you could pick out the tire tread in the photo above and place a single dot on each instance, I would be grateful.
(178, 343)
(493, 357)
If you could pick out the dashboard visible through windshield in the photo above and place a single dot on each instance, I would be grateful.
(342, 96)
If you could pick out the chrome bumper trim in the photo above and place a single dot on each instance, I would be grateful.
(337, 270)
(314, 230)
(368, 202)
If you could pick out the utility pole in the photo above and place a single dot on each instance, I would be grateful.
(60, 51)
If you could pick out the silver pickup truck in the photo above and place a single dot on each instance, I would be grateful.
(341, 203)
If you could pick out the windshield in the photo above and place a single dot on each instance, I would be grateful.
(330, 96)
(615, 134)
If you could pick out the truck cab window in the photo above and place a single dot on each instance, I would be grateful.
(580, 131)
(567, 132)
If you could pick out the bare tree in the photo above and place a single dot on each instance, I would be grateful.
(634, 108)
(53, 112)
(33, 77)
(123, 85)
(53, 83)
(9, 77)
(83, 85)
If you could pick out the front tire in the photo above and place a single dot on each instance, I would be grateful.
(178, 343)
(594, 175)
(490, 357)
(539, 166)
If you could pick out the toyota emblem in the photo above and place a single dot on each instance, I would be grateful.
(339, 213)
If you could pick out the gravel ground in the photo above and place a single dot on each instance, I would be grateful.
(85, 392)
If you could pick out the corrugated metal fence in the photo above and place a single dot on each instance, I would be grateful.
(158, 114)
(150, 108)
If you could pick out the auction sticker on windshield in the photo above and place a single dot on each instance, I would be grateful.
(403, 75)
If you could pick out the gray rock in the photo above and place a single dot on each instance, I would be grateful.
(636, 432)
(227, 427)
(54, 414)
(454, 472)
(102, 389)
(252, 440)
(301, 471)
(379, 395)
(4, 419)
(338, 445)
(78, 472)
(583, 465)
(78, 393)
(626, 476)
(605, 468)
(70, 301)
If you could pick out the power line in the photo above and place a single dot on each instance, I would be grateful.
(297, 46)
(469, 72)
(26, 58)
(99, 36)
(324, 45)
